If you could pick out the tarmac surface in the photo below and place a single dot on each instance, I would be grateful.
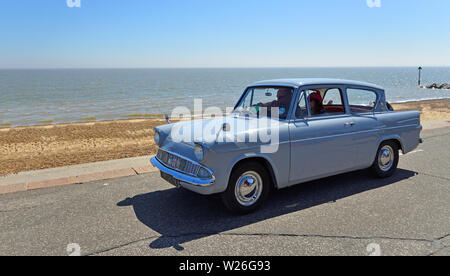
(349, 214)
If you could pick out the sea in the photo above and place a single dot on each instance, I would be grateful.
(50, 96)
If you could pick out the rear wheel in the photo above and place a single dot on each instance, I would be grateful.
(386, 161)
(248, 187)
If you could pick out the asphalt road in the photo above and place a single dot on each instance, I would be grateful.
(350, 214)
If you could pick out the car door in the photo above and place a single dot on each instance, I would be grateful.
(320, 144)
(366, 127)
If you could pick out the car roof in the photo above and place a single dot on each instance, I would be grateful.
(313, 81)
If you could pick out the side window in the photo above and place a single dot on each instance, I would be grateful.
(361, 101)
(325, 101)
(247, 103)
(333, 97)
(301, 110)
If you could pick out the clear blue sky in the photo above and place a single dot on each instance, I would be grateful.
(223, 33)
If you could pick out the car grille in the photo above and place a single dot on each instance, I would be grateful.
(178, 163)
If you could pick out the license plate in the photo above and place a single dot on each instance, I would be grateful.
(167, 177)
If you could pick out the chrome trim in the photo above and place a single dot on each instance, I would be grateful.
(396, 127)
(349, 133)
(334, 135)
(386, 158)
(184, 178)
(187, 159)
(192, 170)
(248, 188)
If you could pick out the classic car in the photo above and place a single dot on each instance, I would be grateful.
(323, 127)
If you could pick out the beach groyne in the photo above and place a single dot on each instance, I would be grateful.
(443, 86)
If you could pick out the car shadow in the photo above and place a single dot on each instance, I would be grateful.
(181, 216)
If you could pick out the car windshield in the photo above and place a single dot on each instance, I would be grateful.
(265, 101)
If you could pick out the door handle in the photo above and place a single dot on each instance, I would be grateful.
(350, 124)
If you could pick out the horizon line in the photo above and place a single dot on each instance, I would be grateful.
(218, 67)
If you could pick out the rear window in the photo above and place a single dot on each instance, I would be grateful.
(361, 101)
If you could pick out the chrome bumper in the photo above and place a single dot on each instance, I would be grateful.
(183, 178)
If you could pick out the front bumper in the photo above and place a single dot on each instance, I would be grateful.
(183, 178)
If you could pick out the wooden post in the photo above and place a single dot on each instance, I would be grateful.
(420, 75)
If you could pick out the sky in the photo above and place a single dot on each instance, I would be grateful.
(223, 33)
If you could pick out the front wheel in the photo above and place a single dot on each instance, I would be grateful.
(248, 187)
(386, 161)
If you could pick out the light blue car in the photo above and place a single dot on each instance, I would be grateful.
(286, 132)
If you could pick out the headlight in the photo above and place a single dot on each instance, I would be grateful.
(198, 150)
(156, 137)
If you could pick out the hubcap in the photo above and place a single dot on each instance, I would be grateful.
(386, 158)
(248, 188)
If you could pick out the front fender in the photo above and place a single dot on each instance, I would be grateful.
(273, 170)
